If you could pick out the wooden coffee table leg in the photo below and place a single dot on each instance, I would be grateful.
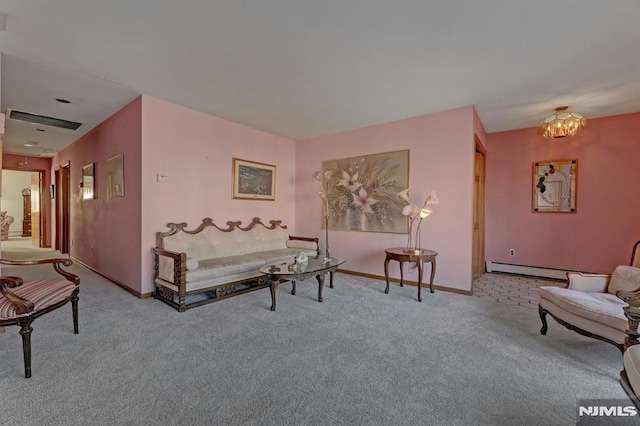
(420, 280)
(320, 278)
(273, 285)
(293, 287)
(331, 279)
(386, 274)
(401, 273)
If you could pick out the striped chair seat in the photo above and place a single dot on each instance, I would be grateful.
(43, 293)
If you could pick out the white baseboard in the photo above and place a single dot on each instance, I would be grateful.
(558, 274)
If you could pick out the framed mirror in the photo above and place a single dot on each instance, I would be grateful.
(554, 186)
(115, 176)
(88, 182)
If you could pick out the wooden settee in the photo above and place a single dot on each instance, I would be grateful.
(211, 263)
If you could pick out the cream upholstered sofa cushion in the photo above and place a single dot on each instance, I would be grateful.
(624, 278)
(603, 308)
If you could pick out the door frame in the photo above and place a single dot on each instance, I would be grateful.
(479, 208)
(62, 195)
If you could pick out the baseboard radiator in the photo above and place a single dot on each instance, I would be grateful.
(558, 274)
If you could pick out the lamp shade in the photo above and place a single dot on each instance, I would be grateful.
(561, 124)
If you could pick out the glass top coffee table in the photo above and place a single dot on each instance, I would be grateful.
(287, 271)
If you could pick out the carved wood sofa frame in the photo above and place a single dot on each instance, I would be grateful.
(222, 291)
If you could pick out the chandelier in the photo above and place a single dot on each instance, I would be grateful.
(561, 124)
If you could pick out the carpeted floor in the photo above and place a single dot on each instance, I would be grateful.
(359, 358)
(22, 248)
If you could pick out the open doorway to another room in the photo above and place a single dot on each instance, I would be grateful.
(24, 218)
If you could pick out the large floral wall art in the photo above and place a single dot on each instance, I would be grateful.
(362, 192)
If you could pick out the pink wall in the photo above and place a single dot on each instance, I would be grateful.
(441, 158)
(34, 164)
(601, 233)
(195, 151)
(105, 231)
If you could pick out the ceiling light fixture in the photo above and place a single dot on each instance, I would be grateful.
(561, 124)
(31, 143)
(63, 101)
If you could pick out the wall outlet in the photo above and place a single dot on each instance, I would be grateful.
(162, 178)
(512, 252)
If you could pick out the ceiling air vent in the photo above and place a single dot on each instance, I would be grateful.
(42, 119)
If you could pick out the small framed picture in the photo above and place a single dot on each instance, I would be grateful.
(253, 181)
(88, 182)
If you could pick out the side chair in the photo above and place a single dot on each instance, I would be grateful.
(591, 304)
(22, 301)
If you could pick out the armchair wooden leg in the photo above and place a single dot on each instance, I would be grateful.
(25, 332)
(74, 308)
(543, 318)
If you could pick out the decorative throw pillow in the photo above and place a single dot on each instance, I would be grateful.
(624, 278)
(301, 244)
(192, 264)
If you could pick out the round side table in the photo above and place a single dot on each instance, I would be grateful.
(423, 256)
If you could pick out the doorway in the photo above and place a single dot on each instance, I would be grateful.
(23, 200)
(478, 261)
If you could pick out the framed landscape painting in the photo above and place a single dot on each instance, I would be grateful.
(253, 181)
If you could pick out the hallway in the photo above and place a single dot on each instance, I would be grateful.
(21, 248)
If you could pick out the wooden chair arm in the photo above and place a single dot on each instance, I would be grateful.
(57, 263)
(22, 305)
(12, 282)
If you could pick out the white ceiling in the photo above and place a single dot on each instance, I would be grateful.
(304, 68)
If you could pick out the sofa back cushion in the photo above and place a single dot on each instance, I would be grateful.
(238, 242)
(624, 278)
(211, 243)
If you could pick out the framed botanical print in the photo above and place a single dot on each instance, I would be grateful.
(361, 192)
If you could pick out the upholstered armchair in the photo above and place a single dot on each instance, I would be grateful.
(5, 222)
(630, 374)
(22, 301)
(590, 305)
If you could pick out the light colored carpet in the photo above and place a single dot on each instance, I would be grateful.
(21, 248)
(359, 358)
